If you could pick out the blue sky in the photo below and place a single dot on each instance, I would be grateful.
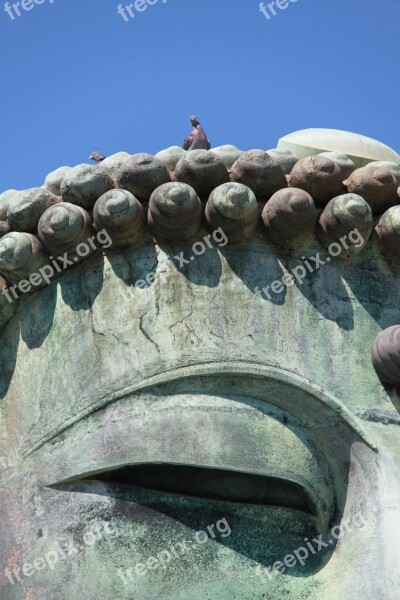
(75, 77)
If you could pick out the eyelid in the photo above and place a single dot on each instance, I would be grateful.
(258, 375)
(197, 431)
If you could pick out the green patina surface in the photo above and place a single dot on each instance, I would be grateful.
(197, 369)
(201, 374)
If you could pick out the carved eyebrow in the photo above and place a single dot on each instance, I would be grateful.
(234, 369)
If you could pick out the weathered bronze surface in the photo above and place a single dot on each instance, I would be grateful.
(190, 412)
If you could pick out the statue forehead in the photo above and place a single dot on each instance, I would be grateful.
(116, 338)
(115, 318)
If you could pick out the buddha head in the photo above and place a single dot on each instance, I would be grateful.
(189, 408)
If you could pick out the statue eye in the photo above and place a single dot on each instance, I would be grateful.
(209, 453)
(190, 460)
(212, 484)
(269, 516)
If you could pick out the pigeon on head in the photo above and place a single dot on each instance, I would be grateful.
(197, 140)
(98, 157)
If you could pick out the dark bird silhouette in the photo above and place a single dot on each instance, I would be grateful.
(98, 157)
(197, 140)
